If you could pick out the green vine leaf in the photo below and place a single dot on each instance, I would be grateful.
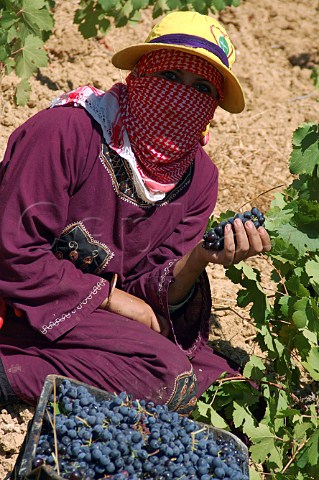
(294, 224)
(200, 6)
(312, 269)
(160, 7)
(108, 5)
(56, 409)
(214, 418)
(283, 252)
(88, 28)
(312, 363)
(7, 19)
(286, 304)
(36, 18)
(253, 474)
(219, 4)
(301, 241)
(174, 4)
(242, 417)
(22, 92)
(299, 316)
(254, 368)
(264, 445)
(309, 454)
(296, 287)
(30, 57)
(305, 154)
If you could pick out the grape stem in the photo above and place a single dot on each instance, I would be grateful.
(56, 454)
(240, 378)
(291, 460)
(261, 194)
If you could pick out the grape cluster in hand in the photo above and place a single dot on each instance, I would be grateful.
(125, 439)
(214, 237)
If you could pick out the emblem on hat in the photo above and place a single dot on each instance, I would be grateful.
(221, 40)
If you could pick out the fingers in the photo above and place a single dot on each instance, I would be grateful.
(18, 313)
(229, 251)
(248, 239)
(265, 239)
(154, 324)
(164, 325)
(136, 309)
(3, 311)
(249, 242)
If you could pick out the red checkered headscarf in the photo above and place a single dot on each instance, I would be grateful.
(164, 119)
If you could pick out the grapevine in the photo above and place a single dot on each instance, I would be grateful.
(281, 416)
(25, 25)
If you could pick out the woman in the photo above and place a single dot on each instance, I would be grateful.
(101, 222)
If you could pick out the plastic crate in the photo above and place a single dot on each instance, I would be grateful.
(23, 468)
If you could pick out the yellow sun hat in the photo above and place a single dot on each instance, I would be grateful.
(193, 33)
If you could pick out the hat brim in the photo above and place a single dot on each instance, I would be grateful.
(234, 100)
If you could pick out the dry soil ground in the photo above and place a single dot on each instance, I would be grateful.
(277, 46)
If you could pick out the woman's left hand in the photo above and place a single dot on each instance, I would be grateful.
(249, 242)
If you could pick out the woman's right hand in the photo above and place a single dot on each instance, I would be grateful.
(3, 309)
(136, 309)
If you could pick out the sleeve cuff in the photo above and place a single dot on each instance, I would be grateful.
(173, 308)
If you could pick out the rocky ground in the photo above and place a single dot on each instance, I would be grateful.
(277, 46)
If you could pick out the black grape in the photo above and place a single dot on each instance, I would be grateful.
(128, 439)
(214, 237)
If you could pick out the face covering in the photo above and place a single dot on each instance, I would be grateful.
(165, 119)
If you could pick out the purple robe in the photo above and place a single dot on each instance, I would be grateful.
(69, 219)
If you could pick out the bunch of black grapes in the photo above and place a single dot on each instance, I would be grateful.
(121, 438)
(214, 237)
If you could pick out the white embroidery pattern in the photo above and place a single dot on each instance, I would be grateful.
(55, 323)
(111, 163)
(161, 283)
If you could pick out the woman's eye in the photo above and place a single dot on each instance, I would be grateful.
(169, 75)
(204, 88)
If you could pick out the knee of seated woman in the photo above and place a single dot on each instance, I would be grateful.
(184, 393)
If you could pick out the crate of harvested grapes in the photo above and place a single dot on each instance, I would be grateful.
(79, 432)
